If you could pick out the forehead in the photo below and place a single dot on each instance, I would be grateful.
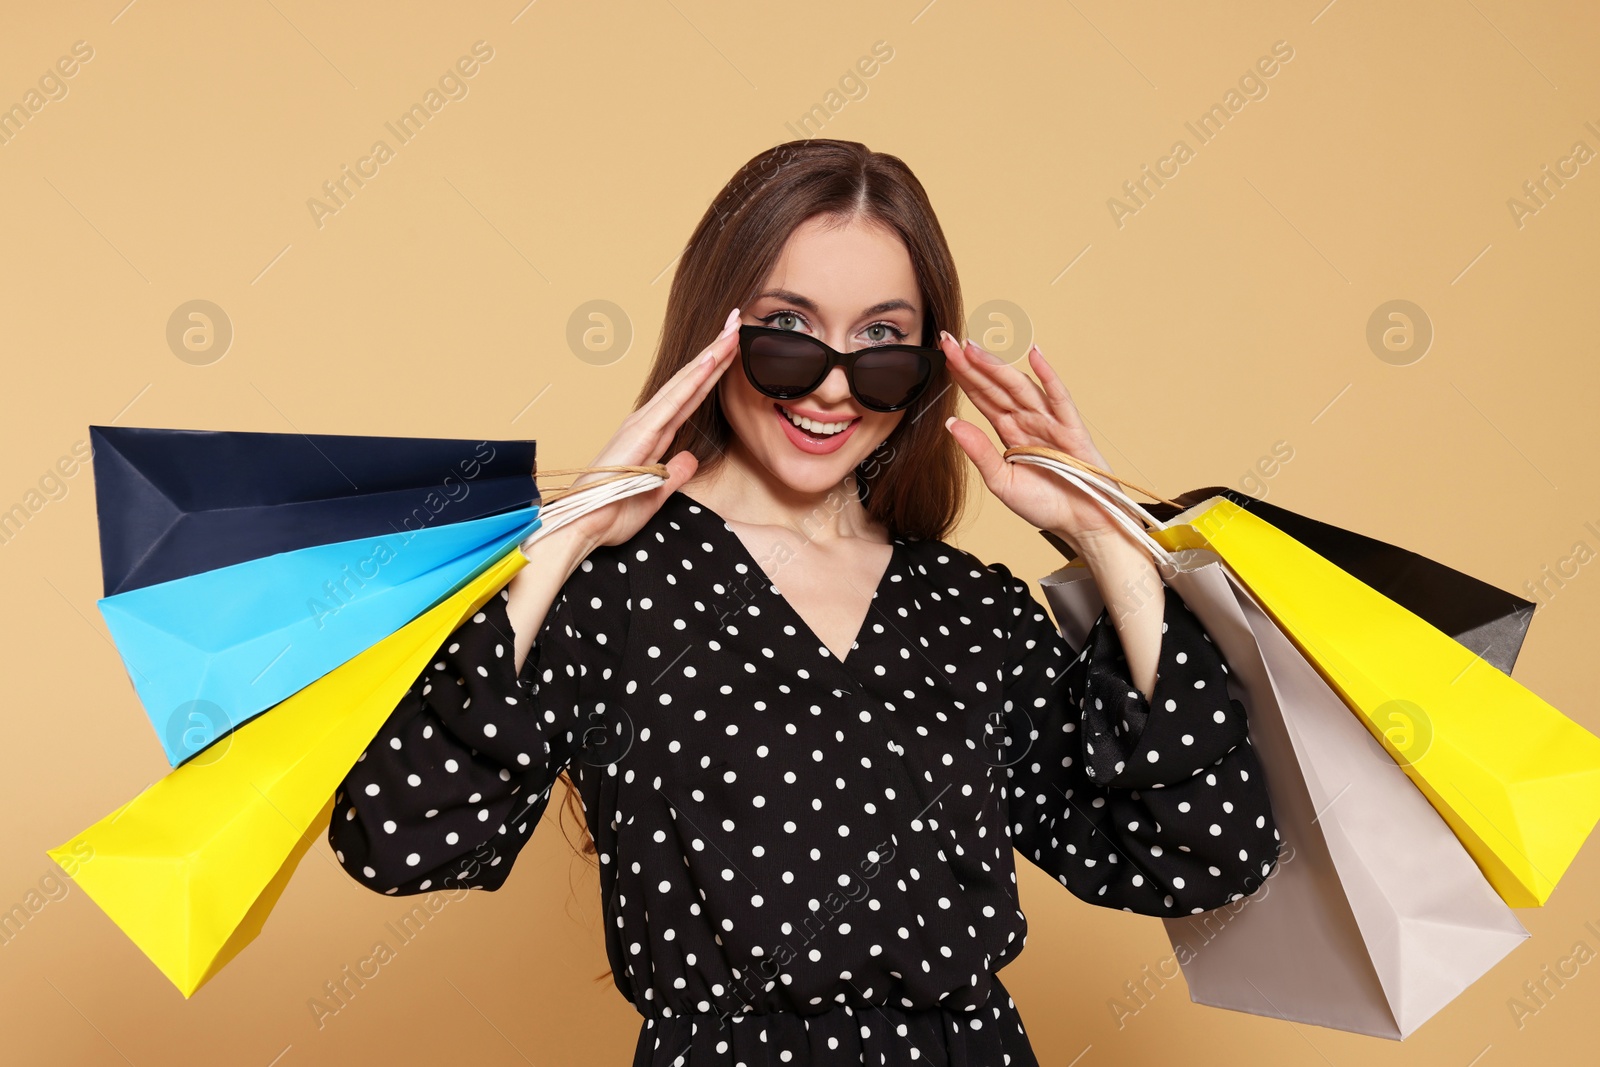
(845, 268)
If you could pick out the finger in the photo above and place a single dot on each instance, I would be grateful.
(1056, 394)
(684, 380)
(963, 366)
(961, 363)
(981, 387)
(689, 382)
(648, 431)
(1036, 415)
(976, 444)
(1005, 381)
(692, 366)
(680, 468)
(1063, 407)
(1048, 415)
(688, 405)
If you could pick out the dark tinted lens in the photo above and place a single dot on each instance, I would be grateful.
(890, 379)
(790, 366)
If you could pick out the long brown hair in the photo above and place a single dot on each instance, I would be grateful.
(914, 483)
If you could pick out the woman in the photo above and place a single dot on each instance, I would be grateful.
(806, 731)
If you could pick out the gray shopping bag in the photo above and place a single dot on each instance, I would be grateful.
(1375, 917)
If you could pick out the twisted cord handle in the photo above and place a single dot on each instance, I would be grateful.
(560, 505)
(1063, 457)
(556, 493)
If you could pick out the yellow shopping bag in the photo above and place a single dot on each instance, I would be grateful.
(1517, 781)
(190, 868)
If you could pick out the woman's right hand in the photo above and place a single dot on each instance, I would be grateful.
(641, 439)
(644, 436)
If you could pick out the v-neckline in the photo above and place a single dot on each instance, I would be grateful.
(896, 547)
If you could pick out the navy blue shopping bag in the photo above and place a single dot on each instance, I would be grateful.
(177, 502)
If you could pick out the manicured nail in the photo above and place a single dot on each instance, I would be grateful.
(984, 354)
(944, 335)
(731, 324)
(948, 421)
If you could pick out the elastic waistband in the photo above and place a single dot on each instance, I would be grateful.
(846, 1035)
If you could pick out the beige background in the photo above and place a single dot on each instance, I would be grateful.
(1227, 315)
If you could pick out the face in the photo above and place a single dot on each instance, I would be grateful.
(853, 287)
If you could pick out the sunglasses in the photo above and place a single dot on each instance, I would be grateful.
(787, 364)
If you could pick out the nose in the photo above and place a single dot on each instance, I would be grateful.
(835, 388)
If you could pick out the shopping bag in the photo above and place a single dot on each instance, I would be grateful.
(1516, 780)
(1375, 917)
(190, 867)
(175, 502)
(209, 651)
(1491, 621)
(287, 554)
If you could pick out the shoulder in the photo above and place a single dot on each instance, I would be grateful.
(961, 572)
(989, 590)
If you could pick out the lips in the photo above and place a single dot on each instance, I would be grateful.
(808, 443)
(818, 419)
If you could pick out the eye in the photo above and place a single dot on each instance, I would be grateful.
(780, 320)
(896, 334)
(772, 319)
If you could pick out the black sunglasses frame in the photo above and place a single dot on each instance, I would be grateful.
(748, 334)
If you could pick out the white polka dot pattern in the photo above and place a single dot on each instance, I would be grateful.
(806, 859)
(461, 772)
(1149, 806)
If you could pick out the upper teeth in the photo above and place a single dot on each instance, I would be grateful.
(812, 424)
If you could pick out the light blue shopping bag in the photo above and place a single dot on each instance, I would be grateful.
(208, 652)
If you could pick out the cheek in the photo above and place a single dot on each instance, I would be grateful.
(740, 402)
(872, 432)
(747, 411)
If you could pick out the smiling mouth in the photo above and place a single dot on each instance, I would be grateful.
(812, 426)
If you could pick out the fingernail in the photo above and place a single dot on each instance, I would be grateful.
(944, 335)
(731, 324)
(948, 421)
(986, 356)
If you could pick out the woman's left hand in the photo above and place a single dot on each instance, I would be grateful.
(1023, 413)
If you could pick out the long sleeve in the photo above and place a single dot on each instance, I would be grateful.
(447, 793)
(1158, 807)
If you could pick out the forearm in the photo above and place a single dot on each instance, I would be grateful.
(1134, 596)
(551, 561)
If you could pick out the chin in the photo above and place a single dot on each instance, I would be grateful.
(808, 473)
(811, 475)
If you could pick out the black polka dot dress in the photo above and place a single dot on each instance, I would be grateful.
(805, 859)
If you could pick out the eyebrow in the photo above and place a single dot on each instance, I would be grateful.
(810, 305)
